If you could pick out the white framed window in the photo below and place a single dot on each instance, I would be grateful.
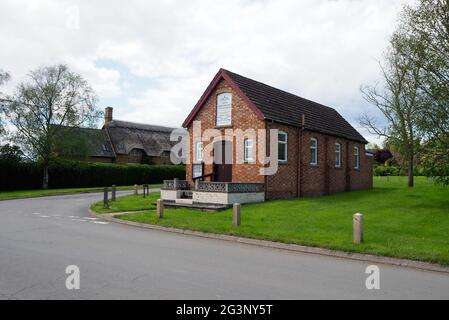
(337, 155)
(224, 109)
(313, 151)
(248, 152)
(356, 157)
(282, 146)
(199, 152)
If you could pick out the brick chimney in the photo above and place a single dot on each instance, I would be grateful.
(108, 115)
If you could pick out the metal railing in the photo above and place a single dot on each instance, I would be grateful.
(175, 185)
(230, 187)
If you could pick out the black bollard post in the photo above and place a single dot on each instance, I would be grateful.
(105, 199)
(114, 189)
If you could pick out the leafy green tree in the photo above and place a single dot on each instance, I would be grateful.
(11, 153)
(435, 159)
(427, 24)
(53, 96)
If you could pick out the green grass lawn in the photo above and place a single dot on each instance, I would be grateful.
(399, 221)
(128, 203)
(6, 195)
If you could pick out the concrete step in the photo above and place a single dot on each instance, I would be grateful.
(196, 206)
(187, 194)
(184, 201)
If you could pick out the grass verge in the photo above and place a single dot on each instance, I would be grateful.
(400, 222)
(20, 194)
(128, 203)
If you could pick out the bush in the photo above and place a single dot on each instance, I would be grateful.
(382, 170)
(78, 174)
(382, 155)
(19, 175)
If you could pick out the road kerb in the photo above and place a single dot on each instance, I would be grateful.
(425, 266)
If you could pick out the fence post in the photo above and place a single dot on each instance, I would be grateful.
(145, 190)
(197, 184)
(105, 198)
(160, 208)
(236, 214)
(136, 189)
(358, 227)
(114, 189)
(176, 183)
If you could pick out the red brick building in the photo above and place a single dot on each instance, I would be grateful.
(319, 151)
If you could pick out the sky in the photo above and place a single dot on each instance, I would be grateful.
(152, 60)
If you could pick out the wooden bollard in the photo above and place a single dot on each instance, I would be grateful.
(113, 191)
(358, 227)
(136, 189)
(236, 214)
(160, 208)
(105, 199)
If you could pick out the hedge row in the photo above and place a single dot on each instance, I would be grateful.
(73, 174)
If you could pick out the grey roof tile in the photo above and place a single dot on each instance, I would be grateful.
(282, 106)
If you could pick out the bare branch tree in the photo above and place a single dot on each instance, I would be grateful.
(4, 77)
(398, 100)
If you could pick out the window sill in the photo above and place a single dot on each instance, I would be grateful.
(282, 162)
(223, 127)
(314, 165)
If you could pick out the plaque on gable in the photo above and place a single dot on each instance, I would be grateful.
(224, 102)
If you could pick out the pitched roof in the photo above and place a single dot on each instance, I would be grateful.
(82, 141)
(125, 136)
(280, 106)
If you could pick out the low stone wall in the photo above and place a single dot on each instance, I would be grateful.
(246, 197)
(171, 195)
(227, 197)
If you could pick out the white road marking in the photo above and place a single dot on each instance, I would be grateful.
(73, 216)
(78, 220)
(36, 213)
(99, 222)
(44, 217)
(88, 218)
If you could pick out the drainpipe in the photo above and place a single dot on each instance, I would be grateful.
(266, 151)
(298, 169)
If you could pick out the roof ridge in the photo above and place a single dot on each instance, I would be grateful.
(141, 124)
(74, 127)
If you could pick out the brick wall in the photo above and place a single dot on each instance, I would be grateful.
(292, 179)
(325, 177)
(284, 184)
(242, 118)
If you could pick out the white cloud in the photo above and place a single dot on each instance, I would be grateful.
(322, 50)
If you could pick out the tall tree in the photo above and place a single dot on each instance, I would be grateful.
(428, 25)
(53, 96)
(4, 77)
(398, 99)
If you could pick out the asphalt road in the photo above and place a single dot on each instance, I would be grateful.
(40, 237)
